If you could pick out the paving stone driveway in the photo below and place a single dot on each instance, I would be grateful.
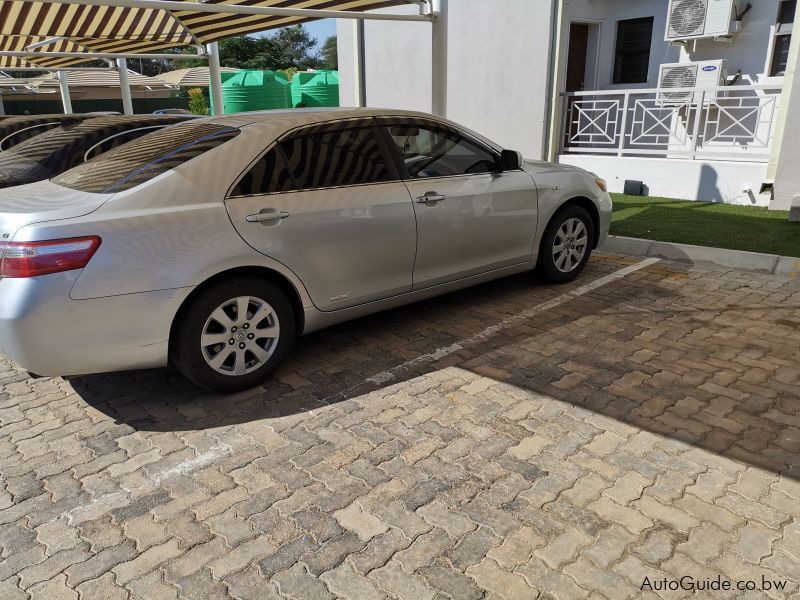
(648, 427)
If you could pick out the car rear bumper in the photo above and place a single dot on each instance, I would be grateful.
(46, 332)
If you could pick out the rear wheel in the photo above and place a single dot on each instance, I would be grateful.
(566, 245)
(234, 335)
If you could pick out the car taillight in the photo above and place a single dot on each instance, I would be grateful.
(29, 259)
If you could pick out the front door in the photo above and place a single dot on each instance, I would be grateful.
(471, 217)
(327, 203)
(576, 60)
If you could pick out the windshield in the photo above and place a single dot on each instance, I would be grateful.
(134, 163)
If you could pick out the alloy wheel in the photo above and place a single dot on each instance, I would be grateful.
(240, 336)
(570, 244)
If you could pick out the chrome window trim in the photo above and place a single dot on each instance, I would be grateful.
(111, 137)
(18, 131)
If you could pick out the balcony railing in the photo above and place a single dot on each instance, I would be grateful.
(722, 123)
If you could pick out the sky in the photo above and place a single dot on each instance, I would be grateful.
(321, 29)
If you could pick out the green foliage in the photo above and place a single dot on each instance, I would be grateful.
(288, 72)
(329, 55)
(290, 47)
(197, 102)
(714, 224)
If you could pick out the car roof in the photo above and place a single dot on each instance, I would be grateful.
(303, 116)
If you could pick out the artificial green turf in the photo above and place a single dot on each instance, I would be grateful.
(706, 224)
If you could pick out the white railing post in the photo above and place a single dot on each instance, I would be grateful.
(624, 124)
(566, 123)
(698, 115)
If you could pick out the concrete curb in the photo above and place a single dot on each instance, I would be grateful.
(735, 259)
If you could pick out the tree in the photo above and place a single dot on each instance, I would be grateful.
(329, 55)
(197, 102)
(288, 47)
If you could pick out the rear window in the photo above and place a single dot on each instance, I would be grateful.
(143, 159)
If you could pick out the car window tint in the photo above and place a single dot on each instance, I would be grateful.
(134, 163)
(267, 176)
(335, 157)
(430, 151)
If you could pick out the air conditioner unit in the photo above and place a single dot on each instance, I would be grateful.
(701, 74)
(694, 19)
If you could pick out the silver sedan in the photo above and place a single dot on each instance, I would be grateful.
(213, 243)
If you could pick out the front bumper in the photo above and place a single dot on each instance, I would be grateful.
(46, 332)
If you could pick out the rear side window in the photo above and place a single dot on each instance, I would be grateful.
(132, 164)
(268, 176)
(335, 156)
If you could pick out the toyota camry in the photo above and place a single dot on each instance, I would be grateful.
(212, 243)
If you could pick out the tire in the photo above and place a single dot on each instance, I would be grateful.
(553, 265)
(260, 343)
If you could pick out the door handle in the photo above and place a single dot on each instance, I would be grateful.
(430, 198)
(267, 215)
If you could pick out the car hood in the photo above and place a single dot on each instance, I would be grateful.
(43, 201)
(538, 166)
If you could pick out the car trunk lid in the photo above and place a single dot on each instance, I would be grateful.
(42, 201)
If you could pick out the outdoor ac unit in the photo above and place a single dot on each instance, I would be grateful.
(704, 74)
(693, 19)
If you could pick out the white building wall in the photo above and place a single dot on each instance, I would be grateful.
(750, 51)
(713, 181)
(498, 64)
(605, 15)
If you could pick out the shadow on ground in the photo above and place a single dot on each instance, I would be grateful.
(667, 349)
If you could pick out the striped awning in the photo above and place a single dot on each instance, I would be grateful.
(105, 78)
(194, 77)
(141, 30)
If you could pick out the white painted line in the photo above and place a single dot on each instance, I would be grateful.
(488, 332)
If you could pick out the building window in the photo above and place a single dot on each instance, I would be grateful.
(783, 37)
(632, 57)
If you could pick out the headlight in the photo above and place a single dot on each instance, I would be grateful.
(601, 183)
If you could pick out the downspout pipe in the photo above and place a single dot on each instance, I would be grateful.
(554, 80)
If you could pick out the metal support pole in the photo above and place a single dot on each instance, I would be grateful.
(65, 99)
(359, 57)
(439, 59)
(2, 107)
(215, 78)
(125, 86)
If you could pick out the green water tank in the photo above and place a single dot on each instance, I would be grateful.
(256, 90)
(318, 88)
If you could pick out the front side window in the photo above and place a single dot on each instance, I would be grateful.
(632, 56)
(141, 160)
(437, 151)
(332, 156)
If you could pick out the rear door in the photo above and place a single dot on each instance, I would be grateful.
(472, 217)
(326, 201)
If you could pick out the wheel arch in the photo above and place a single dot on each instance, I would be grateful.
(276, 278)
(589, 206)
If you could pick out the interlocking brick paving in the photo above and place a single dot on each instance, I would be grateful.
(648, 427)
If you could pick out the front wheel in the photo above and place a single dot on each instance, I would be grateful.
(234, 335)
(566, 245)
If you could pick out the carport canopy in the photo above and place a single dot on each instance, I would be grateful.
(63, 33)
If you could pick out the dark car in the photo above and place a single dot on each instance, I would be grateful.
(70, 144)
(16, 129)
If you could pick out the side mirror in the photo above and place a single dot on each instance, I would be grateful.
(510, 160)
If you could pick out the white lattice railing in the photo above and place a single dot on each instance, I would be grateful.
(727, 123)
